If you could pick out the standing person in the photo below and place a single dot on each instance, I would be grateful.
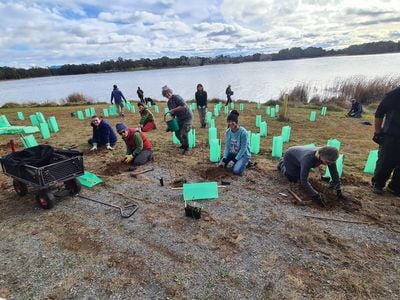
(138, 146)
(201, 101)
(228, 93)
(298, 161)
(140, 94)
(146, 122)
(387, 135)
(178, 108)
(237, 146)
(103, 134)
(117, 96)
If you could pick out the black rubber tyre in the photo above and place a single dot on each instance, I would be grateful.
(73, 186)
(45, 199)
(20, 188)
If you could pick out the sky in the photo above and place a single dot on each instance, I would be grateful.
(55, 32)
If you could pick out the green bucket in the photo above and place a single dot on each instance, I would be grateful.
(172, 124)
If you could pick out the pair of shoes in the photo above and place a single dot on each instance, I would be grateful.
(393, 191)
(377, 189)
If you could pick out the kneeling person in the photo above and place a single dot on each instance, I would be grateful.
(298, 161)
(146, 122)
(237, 146)
(138, 147)
(103, 134)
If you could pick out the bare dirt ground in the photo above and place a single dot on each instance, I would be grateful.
(252, 242)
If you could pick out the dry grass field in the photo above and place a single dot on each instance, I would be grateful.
(253, 242)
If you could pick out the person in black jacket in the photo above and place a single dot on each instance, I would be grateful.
(201, 101)
(387, 135)
(140, 94)
(229, 94)
(103, 134)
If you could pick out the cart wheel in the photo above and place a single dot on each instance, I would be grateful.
(45, 199)
(73, 186)
(20, 188)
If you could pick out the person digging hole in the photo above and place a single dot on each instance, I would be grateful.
(138, 146)
(299, 160)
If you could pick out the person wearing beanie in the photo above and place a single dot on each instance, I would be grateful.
(138, 146)
(117, 96)
(201, 101)
(103, 134)
(140, 94)
(178, 109)
(237, 146)
(146, 122)
(299, 160)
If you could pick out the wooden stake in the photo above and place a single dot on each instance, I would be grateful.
(336, 220)
(296, 198)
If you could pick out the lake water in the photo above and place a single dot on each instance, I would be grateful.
(256, 81)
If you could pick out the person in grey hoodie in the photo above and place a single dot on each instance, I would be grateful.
(117, 96)
(298, 161)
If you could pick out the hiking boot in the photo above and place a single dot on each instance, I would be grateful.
(185, 150)
(393, 191)
(377, 189)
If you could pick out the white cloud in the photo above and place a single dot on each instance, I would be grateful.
(85, 31)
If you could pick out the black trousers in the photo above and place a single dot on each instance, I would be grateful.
(388, 162)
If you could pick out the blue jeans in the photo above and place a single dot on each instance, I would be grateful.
(239, 166)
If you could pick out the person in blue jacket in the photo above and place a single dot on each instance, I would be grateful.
(103, 134)
(237, 146)
(117, 96)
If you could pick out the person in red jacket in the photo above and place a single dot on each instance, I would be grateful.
(138, 147)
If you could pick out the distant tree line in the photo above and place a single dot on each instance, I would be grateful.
(165, 62)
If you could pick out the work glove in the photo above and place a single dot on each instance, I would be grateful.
(112, 102)
(94, 147)
(128, 158)
(109, 147)
(317, 198)
(378, 138)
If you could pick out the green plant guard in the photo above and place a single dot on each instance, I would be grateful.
(371, 162)
(273, 112)
(334, 143)
(277, 146)
(263, 129)
(79, 113)
(286, 130)
(255, 143)
(258, 120)
(53, 124)
(313, 116)
(29, 141)
(215, 150)
(20, 116)
(44, 130)
(40, 117)
(34, 120)
(200, 191)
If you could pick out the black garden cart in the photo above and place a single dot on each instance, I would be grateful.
(41, 167)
